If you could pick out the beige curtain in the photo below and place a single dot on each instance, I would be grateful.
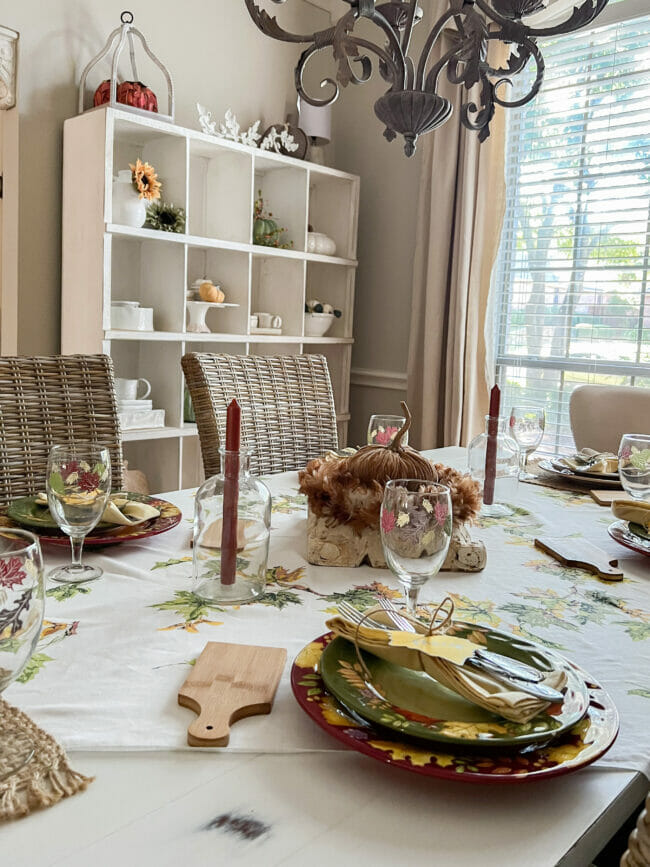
(460, 213)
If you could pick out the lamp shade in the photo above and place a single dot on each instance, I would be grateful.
(315, 121)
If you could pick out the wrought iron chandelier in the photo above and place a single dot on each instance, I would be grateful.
(411, 106)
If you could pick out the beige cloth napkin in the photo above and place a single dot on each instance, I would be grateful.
(473, 685)
(604, 462)
(120, 510)
(634, 513)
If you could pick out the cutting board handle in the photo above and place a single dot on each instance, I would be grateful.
(211, 728)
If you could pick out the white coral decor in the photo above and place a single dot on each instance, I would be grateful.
(229, 128)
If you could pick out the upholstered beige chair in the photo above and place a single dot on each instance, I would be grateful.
(288, 414)
(638, 851)
(601, 414)
(59, 399)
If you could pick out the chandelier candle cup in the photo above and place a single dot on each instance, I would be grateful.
(416, 526)
(234, 548)
(78, 485)
(634, 465)
(22, 597)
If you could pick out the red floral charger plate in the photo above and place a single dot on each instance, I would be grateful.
(619, 531)
(587, 741)
(170, 516)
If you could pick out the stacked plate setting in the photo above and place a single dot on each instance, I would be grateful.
(135, 414)
(406, 718)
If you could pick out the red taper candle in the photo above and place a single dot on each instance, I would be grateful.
(230, 494)
(491, 449)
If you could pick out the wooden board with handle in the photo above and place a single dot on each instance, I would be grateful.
(582, 554)
(606, 498)
(229, 682)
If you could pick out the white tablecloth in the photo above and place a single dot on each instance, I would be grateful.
(114, 653)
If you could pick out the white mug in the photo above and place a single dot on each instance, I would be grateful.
(127, 389)
(254, 321)
(268, 320)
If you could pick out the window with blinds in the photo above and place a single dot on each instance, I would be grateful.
(572, 277)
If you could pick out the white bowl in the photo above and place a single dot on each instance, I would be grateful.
(318, 324)
(131, 318)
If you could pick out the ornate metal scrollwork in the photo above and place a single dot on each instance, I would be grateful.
(411, 106)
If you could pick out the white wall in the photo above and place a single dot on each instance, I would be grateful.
(388, 208)
(216, 56)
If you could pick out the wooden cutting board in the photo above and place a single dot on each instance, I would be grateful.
(229, 682)
(584, 555)
(606, 498)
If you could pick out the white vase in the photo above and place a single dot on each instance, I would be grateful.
(128, 208)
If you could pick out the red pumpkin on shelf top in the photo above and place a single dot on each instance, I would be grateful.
(133, 93)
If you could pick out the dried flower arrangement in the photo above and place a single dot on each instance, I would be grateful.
(165, 217)
(266, 231)
(345, 495)
(145, 180)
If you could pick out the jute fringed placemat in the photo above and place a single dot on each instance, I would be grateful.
(44, 780)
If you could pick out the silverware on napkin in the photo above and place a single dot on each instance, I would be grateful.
(510, 672)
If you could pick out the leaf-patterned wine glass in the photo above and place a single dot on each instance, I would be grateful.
(382, 429)
(416, 527)
(21, 618)
(634, 465)
(78, 486)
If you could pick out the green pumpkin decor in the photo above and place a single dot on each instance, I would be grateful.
(266, 231)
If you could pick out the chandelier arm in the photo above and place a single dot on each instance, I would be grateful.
(428, 46)
(382, 55)
(508, 24)
(305, 57)
(533, 51)
(398, 57)
(431, 82)
(580, 17)
(514, 67)
(408, 30)
(269, 24)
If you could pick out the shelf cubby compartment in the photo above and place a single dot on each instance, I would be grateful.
(284, 190)
(160, 464)
(160, 363)
(332, 284)
(231, 270)
(278, 288)
(333, 203)
(166, 153)
(151, 273)
(220, 194)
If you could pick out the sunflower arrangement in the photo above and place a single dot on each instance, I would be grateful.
(145, 180)
(165, 217)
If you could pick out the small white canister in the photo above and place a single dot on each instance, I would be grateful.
(129, 316)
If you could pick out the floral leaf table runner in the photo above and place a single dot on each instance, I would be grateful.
(113, 654)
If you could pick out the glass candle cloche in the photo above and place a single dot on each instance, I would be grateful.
(250, 500)
(507, 467)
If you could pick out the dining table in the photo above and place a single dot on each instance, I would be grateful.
(113, 654)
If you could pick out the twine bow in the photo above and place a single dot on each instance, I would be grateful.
(446, 608)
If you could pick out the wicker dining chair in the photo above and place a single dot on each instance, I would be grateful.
(45, 401)
(287, 407)
(638, 852)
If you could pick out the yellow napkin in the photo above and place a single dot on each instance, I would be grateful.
(634, 513)
(119, 510)
(606, 461)
(471, 684)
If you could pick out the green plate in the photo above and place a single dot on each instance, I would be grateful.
(640, 531)
(28, 513)
(416, 705)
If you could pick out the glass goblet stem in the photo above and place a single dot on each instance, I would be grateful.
(411, 594)
(77, 544)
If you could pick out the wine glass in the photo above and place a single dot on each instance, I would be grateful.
(78, 486)
(382, 429)
(22, 596)
(527, 425)
(416, 527)
(634, 465)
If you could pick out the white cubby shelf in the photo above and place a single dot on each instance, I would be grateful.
(216, 182)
